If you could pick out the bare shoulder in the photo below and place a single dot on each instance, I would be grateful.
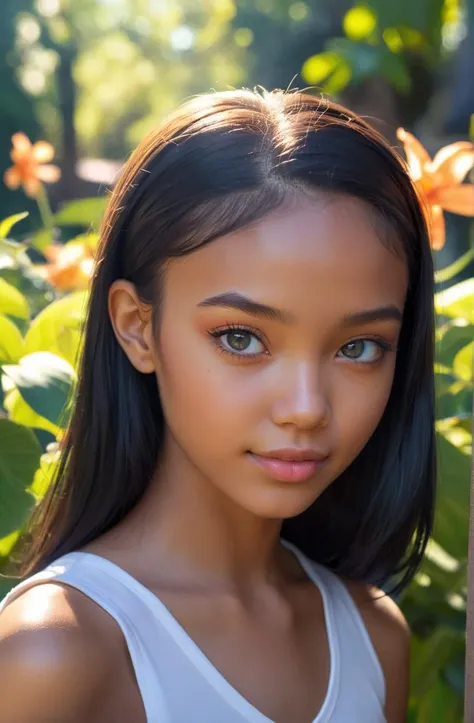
(61, 648)
(390, 636)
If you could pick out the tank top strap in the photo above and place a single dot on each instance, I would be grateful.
(109, 587)
(344, 616)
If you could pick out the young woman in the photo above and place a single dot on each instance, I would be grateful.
(251, 451)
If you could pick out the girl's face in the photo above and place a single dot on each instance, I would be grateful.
(281, 336)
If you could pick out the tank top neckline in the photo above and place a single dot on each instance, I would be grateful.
(198, 658)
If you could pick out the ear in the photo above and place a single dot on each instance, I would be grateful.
(132, 322)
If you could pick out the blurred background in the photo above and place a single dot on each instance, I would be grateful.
(91, 77)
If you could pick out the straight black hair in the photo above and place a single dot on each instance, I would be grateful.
(219, 163)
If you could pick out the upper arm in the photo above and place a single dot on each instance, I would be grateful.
(53, 667)
(390, 637)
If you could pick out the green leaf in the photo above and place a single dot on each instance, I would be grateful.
(457, 301)
(455, 335)
(449, 272)
(21, 413)
(7, 224)
(6, 543)
(19, 458)
(84, 212)
(12, 301)
(13, 254)
(463, 363)
(44, 380)
(58, 327)
(44, 474)
(431, 657)
(452, 509)
(11, 341)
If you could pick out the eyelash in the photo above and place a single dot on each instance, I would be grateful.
(223, 330)
(219, 332)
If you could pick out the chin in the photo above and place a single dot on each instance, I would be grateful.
(279, 505)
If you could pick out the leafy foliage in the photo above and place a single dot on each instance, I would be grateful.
(40, 332)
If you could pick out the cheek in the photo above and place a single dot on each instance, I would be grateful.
(360, 407)
(207, 401)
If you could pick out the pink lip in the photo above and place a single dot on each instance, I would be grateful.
(287, 470)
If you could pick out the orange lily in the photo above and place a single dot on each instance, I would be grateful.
(29, 168)
(70, 266)
(439, 181)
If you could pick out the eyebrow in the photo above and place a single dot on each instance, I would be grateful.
(234, 300)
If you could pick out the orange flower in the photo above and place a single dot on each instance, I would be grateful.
(70, 266)
(29, 168)
(439, 181)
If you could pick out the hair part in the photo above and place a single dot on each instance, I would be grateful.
(221, 162)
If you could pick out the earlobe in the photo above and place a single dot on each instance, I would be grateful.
(132, 322)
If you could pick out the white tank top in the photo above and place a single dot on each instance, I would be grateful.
(179, 684)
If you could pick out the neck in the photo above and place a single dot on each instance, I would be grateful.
(191, 530)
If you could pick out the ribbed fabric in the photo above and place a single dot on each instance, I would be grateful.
(179, 684)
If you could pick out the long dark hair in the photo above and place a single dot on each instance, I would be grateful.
(220, 162)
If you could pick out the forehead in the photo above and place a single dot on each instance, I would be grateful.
(318, 254)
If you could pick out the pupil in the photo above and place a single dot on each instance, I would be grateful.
(354, 349)
(239, 340)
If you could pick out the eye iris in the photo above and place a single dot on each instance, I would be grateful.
(239, 340)
(354, 349)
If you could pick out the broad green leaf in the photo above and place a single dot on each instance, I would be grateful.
(19, 458)
(21, 413)
(13, 254)
(12, 301)
(44, 474)
(452, 509)
(440, 704)
(11, 341)
(449, 272)
(463, 363)
(7, 224)
(431, 657)
(458, 300)
(6, 543)
(58, 327)
(84, 212)
(45, 381)
(454, 336)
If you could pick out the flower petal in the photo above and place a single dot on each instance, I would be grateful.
(21, 144)
(51, 252)
(43, 152)
(12, 178)
(416, 154)
(453, 162)
(32, 186)
(437, 228)
(457, 199)
(49, 174)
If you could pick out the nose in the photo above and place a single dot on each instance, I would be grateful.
(301, 398)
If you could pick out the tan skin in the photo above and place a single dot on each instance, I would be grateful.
(205, 538)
